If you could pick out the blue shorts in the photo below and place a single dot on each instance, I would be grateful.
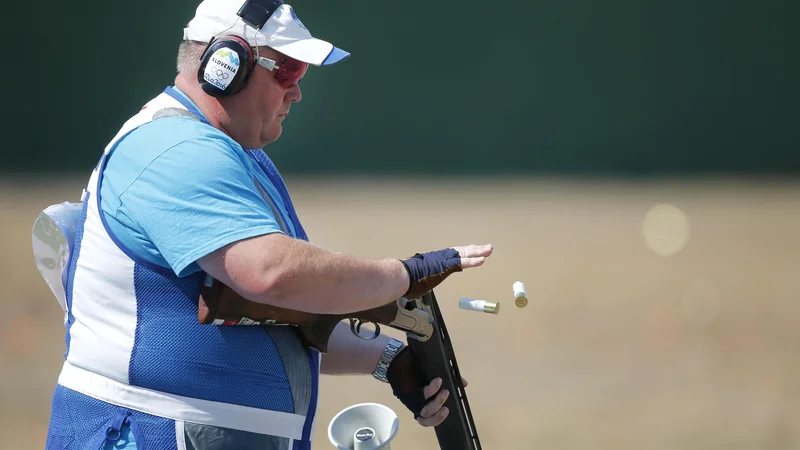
(79, 422)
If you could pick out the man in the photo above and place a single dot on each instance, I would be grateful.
(180, 194)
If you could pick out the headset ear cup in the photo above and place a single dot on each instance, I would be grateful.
(207, 87)
(225, 66)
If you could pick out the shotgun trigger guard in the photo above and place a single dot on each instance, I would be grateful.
(355, 327)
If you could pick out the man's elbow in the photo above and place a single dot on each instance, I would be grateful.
(263, 286)
(254, 278)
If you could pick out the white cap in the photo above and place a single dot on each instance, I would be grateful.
(283, 32)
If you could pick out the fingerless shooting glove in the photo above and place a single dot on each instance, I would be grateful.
(407, 382)
(427, 270)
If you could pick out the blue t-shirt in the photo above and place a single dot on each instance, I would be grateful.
(176, 189)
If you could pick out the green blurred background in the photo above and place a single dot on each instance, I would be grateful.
(618, 87)
(634, 163)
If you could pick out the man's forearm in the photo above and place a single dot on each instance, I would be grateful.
(310, 278)
(295, 274)
(349, 355)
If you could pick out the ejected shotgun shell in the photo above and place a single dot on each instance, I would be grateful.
(520, 297)
(471, 304)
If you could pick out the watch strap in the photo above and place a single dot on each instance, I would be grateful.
(391, 350)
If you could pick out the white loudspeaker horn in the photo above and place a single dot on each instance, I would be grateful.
(366, 426)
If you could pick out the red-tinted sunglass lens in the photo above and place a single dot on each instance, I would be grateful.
(291, 72)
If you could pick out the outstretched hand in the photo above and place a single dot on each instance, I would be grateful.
(473, 255)
(428, 270)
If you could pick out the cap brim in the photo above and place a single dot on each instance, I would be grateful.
(310, 51)
(335, 56)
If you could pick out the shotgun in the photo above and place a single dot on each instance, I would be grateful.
(420, 318)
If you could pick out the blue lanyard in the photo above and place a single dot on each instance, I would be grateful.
(186, 104)
(274, 176)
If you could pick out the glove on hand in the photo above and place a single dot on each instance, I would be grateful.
(407, 383)
(428, 270)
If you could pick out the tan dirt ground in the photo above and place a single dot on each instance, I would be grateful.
(619, 348)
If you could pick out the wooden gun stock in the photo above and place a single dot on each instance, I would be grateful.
(220, 305)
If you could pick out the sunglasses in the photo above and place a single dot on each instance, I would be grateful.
(289, 72)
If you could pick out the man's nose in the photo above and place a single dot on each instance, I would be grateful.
(294, 94)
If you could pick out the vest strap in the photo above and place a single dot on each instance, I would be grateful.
(176, 407)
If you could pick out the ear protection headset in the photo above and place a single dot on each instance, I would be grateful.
(227, 61)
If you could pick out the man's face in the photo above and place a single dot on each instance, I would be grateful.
(256, 113)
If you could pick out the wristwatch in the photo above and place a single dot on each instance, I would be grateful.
(393, 347)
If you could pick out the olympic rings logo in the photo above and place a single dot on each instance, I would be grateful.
(222, 75)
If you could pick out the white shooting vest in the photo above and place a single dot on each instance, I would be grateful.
(167, 365)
